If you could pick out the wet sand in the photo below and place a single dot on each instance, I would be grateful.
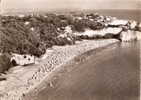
(111, 74)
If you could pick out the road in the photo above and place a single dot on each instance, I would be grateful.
(111, 74)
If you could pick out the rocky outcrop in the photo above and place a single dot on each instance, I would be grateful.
(139, 27)
(138, 34)
(127, 36)
(133, 25)
(96, 34)
(118, 23)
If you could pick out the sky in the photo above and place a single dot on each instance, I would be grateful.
(69, 4)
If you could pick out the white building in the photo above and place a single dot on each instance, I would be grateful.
(22, 60)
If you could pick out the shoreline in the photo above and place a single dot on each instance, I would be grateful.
(51, 80)
(32, 76)
(64, 81)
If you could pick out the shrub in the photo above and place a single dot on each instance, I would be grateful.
(109, 35)
(18, 39)
(41, 32)
(79, 25)
(5, 63)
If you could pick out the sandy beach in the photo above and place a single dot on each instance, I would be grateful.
(21, 80)
(111, 73)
